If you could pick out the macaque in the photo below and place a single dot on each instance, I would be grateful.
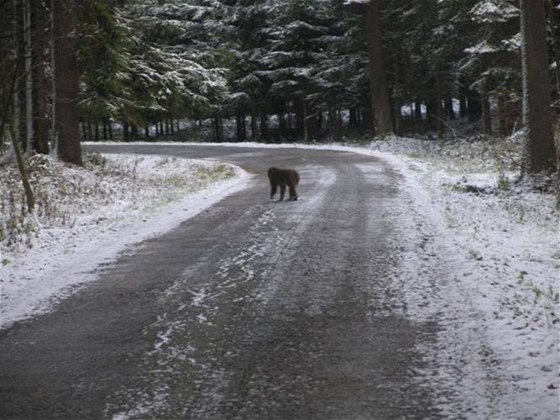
(283, 178)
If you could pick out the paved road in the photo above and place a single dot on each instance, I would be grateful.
(251, 310)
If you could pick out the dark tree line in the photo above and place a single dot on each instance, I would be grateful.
(39, 82)
(267, 70)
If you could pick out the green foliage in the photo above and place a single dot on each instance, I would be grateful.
(139, 66)
(95, 160)
(104, 59)
(283, 64)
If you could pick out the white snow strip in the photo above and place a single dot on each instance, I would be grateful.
(63, 260)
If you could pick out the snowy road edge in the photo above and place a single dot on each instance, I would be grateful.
(40, 296)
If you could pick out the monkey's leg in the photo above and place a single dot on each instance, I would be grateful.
(282, 192)
(293, 194)
(273, 189)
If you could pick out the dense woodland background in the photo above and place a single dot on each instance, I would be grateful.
(275, 71)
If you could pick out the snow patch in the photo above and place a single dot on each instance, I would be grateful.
(63, 258)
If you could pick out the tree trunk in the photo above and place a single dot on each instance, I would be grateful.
(29, 196)
(41, 123)
(289, 120)
(282, 126)
(398, 117)
(263, 129)
(352, 118)
(439, 107)
(21, 104)
(540, 149)
(418, 110)
(502, 115)
(449, 108)
(126, 131)
(218, 129)
(241, 130)
(431, 114)
(27, 51)
(305, 121)
(463, 112)
(66, 81)
(486, 115)
(474, 106)
(379, 95)
(15, 127)
(554, 16)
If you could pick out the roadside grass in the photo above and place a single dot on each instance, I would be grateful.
(105, 189)
(508, 222)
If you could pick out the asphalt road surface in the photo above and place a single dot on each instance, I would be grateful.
(254, 309)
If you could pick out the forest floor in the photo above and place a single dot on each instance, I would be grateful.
(499, 234)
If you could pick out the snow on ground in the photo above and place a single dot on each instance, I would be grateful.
(497, 301)
(88, 217)
(494, 289)
(493, 247)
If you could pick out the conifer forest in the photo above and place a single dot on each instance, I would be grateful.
(276, 71)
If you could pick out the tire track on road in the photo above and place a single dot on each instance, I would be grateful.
(214, 299)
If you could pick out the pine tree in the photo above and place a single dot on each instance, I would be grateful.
(66, 81)
(380, 106)
(493, 62)
(104, 55)
(342, 78)
(248, 87)
(176, 67)
(541, 151)
(40, 33)
(379, 91)
(295, 58)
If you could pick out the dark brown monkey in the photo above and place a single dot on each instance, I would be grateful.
(283, 178)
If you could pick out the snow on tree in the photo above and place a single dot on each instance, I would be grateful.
(278, 69)
(147, 66)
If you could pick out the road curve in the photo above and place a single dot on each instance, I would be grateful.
(253, 309)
